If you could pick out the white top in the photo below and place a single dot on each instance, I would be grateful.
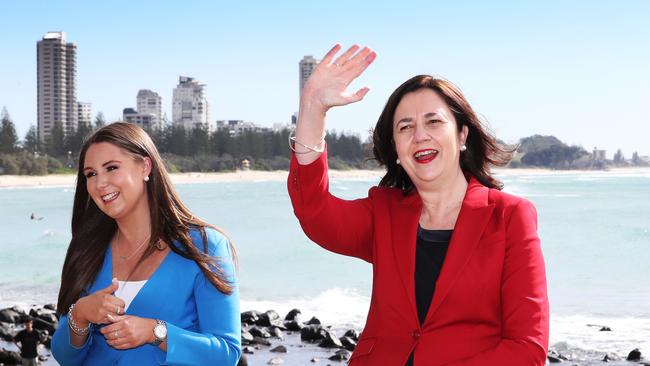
(127, 290)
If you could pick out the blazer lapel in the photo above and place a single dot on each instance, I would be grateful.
(404, 227)
(148, 300)
(474, 215)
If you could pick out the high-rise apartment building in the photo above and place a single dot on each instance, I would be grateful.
(190, 104)
(307, 66)
(84, 113)
(150, 103)
(56, 84)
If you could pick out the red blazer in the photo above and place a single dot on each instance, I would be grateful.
(490, 306)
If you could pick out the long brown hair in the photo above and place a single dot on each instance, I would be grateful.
(483, 150)
(171, 220)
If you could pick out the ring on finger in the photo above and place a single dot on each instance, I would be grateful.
(117, 310)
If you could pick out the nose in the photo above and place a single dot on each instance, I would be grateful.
(421, 134)
(101, 181)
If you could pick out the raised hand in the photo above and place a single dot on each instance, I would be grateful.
(327, 88)
(129, 331)
(99, 307)
(327, 85)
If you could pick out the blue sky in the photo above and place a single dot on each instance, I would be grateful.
(579, 70)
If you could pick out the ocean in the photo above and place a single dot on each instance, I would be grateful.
(595, 231)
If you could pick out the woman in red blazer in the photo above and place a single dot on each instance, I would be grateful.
(458, 273)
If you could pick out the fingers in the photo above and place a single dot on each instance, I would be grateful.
(346, 55)
(330, 55)
(111, 288)
(360, 62)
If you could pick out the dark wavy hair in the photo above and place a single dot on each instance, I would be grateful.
(171, 220)
(483, 150)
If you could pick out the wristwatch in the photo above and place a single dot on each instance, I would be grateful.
(159, 332)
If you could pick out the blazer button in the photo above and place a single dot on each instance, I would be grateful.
(415, 334)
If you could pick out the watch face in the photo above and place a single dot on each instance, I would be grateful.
(160, 331)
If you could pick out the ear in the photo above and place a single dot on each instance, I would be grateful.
(463, 134)
(146, 165)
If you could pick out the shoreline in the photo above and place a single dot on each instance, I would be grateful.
(68, 180)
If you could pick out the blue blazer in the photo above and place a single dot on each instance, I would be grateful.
(203, 324)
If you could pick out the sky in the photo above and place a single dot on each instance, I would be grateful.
(578, 70)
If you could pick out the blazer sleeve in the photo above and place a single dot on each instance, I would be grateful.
(219, 340)
(63, 351)
(341, 226)
(524, 300)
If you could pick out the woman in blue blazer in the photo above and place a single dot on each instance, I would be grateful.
(144, 281)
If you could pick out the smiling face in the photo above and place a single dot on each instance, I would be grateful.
(115, 180)
(426, 137)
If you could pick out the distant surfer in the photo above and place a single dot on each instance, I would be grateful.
(34, 217)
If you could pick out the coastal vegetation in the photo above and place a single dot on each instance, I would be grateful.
(201, 150)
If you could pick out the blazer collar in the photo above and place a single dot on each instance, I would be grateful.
(474, 215)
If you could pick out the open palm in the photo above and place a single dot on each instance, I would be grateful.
(327, 85)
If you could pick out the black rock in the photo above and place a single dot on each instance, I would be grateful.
(352, 334)
(262, 341)
(279, 349)
(260, 332)
(50, 307)
(270, 318)
(312, 333)
(313, 320)
(293, 325)
(605, 329)
(250, 317)
(242, 361)
(330, 341)
(275, 361)
(41, 324)
(276, 332)
(634, 355)
(10, 316)
(248, 349)
(246, 337)
(341, 355)
(7, 331)
(10, 357)
(292, 315)
(348, 343)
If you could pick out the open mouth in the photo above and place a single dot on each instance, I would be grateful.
(108, 198)
(425, 156)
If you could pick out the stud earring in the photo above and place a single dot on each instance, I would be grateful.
(463, 148)
(146, 178)
(398, 161)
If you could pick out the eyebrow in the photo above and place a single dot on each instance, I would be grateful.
(103, 165)
(427, 115)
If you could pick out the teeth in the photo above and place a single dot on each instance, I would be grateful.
(109, 196)
(423, 153)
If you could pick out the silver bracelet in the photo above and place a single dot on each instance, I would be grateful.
(73, 324)
(315, 148)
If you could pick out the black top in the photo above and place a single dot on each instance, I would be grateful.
(28, 342)
(430, 251)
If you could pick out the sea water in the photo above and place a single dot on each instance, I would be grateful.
(595, 231)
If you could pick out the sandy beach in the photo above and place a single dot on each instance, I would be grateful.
(56, 180)
(68, 180)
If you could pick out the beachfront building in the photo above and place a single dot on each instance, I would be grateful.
(84, 113)
(306, 66)
(598, 155)
(56, 73)
(190, 104)
(236, 127)
(150, 103)
(144, 120)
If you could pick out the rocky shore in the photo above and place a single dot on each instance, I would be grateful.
(269, 339)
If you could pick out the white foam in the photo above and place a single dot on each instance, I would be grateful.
(341, 308)
(627, 333)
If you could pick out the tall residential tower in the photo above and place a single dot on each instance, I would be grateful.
(56, 84)
(190, 104)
